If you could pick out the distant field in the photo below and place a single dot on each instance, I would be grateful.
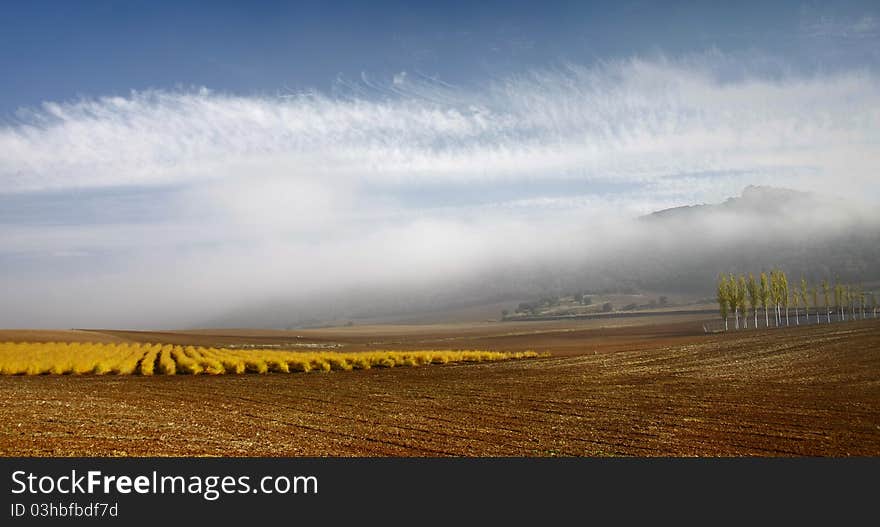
(558, 337)
(654, 390)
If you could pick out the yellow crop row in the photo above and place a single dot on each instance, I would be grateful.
(167, 359)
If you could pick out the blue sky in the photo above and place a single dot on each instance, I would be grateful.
(139, 140)
(61, 50)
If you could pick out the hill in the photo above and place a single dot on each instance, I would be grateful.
(677, 252)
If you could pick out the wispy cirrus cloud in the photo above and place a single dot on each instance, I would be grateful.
(408, 179)
(634, 120)
(831, 26)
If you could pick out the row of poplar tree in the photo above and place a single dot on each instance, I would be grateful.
(771, 293)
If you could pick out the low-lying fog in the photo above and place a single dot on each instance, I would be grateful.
(190, 208)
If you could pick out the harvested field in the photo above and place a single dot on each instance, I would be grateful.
(799, 391)
(556, 337)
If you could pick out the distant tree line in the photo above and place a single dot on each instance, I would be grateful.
(581, 298)
(772, 294)
(536, 306)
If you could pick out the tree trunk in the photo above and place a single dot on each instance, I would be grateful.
(756, 318)
(766, 318)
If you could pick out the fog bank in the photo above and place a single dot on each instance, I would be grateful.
(177, 209)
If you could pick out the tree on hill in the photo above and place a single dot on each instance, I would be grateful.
(527, 307)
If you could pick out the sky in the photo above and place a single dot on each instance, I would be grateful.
(164, 162)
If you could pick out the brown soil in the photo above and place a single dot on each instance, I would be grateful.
(56, 335)
(656, 390)
(556, 337)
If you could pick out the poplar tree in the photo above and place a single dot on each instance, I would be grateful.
(722, 292)
(733, 298)
(826, 294)
(806, 299)
(864, 303)
(861, 298)
(855, 298)
(838, 301)
(771, 290)
(754, 296)
(775, 293)
(873, 304)
(851, 300)
(784, 293)
(765, 298)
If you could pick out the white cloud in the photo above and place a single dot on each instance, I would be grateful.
(299, 194)
(633, 121)
(832, 26)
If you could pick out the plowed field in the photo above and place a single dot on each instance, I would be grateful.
(798, 391)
